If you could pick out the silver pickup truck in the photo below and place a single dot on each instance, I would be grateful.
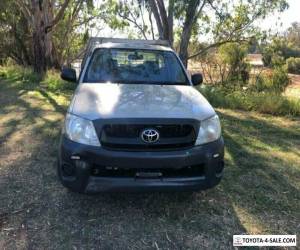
(136, 123)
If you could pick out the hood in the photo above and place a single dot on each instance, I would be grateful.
(106, 100)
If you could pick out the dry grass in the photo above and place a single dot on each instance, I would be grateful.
(293, 89)
(259, 194)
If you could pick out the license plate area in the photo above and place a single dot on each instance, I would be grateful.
(142, 173)
(148, 175)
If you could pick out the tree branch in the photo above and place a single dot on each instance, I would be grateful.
(217, 44)
(200, 10)
(133, 20)
(25, 10)
(151, 25)
(58, 16)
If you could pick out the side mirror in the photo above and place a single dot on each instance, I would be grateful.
(197, 79)
(68, 74)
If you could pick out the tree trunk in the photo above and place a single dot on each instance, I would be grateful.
(164, 18)
(170, 21)
(39, 49)
(42, 40)
(163, 21)
(40, 16)
(154, 8)
(187, 30)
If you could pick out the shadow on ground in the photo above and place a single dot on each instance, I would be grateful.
(259, 193)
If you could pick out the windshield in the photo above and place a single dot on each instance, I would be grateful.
(135, 66)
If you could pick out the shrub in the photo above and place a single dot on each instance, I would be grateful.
(264, 102)
(275, 53)
(233, 55)
(293, 65)
(274, 81)
(53, 82)
(280, 79)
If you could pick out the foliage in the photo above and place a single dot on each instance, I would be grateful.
(235, 22)
(293, 65)
(130, 16)
(65, 25)
(275, 53)
(233, 56)
(292, 34)
(264, 102)
(226, 66)
(274, 81)
(55, 41)
(67, 39)
(184, 21)
(15, 42)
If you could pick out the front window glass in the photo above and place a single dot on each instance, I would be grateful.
(135, 66)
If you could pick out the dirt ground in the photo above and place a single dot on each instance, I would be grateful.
(258, 195)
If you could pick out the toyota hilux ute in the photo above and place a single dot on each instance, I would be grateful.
(136, 123)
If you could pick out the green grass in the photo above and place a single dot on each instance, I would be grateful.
(258, 195)
(25, 78)
(263, 102)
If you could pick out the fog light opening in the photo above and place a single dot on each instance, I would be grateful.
(68, 170)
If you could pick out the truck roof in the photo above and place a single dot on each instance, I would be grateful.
(133, 45)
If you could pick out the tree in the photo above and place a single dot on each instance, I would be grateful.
(293, 34)
(282, 47)
(128, 15)
(45, 33)
(14, 34)
(42, 16)
(231, 22)
(72, 32)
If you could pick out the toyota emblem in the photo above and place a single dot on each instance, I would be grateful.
(150, 135)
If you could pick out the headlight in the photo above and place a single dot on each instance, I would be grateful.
(81, 130)
(210, 130)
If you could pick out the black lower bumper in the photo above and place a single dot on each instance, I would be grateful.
(77, 163)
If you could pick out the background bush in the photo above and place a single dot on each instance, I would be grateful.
(274, 81)
(264, 102)
(280, 49)
(293, 65)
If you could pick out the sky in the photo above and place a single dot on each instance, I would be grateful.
(281, 21)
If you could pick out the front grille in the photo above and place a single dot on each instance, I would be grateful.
(132, 131)
(127, 136)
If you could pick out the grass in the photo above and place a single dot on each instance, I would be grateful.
(293, 92)
(25, 78)
(258, 195)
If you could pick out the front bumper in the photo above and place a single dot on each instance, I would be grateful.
(81, 160)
